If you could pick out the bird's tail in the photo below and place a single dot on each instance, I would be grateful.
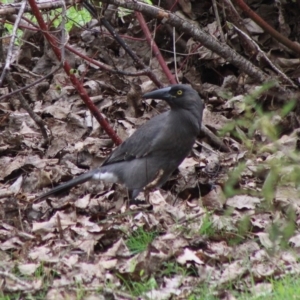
(65, 186)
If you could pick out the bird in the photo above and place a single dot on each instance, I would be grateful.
(153, 152)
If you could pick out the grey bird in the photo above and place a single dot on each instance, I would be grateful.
(151, 154)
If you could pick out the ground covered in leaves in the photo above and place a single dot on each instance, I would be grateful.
(225, 226)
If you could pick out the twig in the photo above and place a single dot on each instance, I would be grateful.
(180, 43)
(105, 66)
(236, 19)
(63, 32)
(14, 8)
(186, 219)
(266, 57)
(175, 53)
(12, 42)
(19, 233)
(6, 194)
(18, 90)
(60, 230)
(136, 59)
(16, 279)
(217, 141)
(214, 3)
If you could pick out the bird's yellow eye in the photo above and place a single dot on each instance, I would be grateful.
(179, 92)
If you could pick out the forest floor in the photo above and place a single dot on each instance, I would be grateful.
(225, 226)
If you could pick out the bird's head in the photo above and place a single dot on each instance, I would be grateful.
(179, 97)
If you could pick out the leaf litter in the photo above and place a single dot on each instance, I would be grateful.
(222, 219)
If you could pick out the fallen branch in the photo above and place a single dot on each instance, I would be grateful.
(199, 35)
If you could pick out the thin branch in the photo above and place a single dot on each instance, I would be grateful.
(63, 32)
(274, 33)
(214, 139)
(107, 67)
(16, 279)
(18, 90)
(133, 55)
(175, 54)
(272, 65)
(234, 17)
(215, 7)
(14, 8)
(12, 42)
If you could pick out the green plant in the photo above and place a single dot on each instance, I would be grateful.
(170, 268)
(255, 117)
(80, 291)
(73, 16)
(16, 296)
(203, 292)
(40, 271)
(139, 240)
(138, 288)
(230, 187)
(280, 289)
(207, 227)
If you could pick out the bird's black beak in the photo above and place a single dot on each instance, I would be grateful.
(162, 94)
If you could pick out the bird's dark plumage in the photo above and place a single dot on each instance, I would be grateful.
(155, 149)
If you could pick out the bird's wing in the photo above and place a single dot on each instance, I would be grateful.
(140, 143)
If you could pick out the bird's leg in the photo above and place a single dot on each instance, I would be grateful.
(147, 189)
(133, 200)
(150, 186)
(129, 195)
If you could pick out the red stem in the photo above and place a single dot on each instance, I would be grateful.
(76, 83)
(154, 48)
